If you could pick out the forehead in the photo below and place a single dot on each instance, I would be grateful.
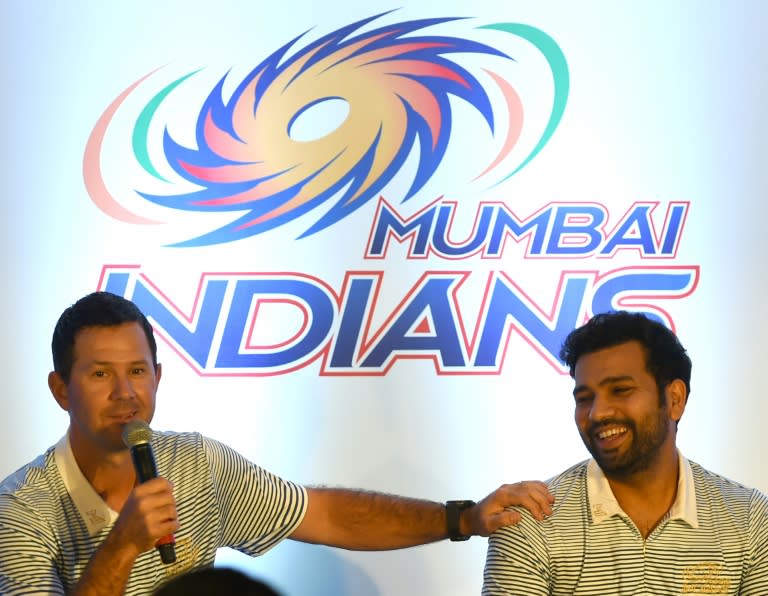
(126, 341)
(627, 359)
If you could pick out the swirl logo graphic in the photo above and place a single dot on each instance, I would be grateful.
(376, 97)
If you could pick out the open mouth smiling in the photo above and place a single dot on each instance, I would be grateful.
(611, 432)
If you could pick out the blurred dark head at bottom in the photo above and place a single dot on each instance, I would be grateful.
(215, 581)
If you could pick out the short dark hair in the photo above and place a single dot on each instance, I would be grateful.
(213, 581)
(665, 357)
(99, 309)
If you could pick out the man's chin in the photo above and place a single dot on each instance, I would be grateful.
(622, 468)
(611, 463)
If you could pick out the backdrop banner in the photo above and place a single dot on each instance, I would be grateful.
(362, 231)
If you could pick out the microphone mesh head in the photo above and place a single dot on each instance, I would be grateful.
(136, 432)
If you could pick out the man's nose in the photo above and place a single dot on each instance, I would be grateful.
(602, 408)
(124, 387)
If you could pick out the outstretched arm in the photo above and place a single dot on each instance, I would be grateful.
(364, 520)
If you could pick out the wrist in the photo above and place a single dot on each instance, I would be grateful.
(457, 527)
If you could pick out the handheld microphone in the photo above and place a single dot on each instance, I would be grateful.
(137, 436)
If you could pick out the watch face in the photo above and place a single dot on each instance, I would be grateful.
(464, 504)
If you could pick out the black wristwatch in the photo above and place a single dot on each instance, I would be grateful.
(453, 511)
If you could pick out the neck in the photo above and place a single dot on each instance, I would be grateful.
(110, 473)
(647, 496)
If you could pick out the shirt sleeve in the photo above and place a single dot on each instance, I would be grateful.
(755, 579)
(27, 559)
(257, 509)
(517, 562)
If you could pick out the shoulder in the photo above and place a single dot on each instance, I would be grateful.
(190, 451)
(177, 444)
(33, 475)
(569, 490)
(195, 451)
(175, 441)
(713, 483)
(164, 439)
(569, 485)
(569, 477)
(32, 493)
(732, 497)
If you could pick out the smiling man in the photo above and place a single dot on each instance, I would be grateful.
(638, 518)
(76, 520)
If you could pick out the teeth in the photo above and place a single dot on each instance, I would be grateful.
(611, 432)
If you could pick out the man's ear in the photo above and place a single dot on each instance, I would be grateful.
(677, 396)
(59, 390)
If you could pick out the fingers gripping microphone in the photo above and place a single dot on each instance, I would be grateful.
(137, 436)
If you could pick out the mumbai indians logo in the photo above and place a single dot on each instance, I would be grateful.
(376, 97)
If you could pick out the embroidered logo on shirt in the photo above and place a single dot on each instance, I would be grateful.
(705, 578)
(95, 518)
(598, 511)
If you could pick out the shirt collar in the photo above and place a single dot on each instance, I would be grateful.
(604, 505)
(95, 512)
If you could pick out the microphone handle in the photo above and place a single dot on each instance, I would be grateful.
(166, 546)
(146, 469)
(144, 462)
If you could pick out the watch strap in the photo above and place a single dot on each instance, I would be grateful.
(453, 511)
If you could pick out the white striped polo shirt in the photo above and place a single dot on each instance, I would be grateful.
(714, 540)
(49, 533)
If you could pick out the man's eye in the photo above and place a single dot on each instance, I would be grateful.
(99, 373)
(138, 371)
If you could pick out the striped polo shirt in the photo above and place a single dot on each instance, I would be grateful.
(52, 520)
(713, 540)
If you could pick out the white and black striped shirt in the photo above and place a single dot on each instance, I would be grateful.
(49, 533)
(714, 540)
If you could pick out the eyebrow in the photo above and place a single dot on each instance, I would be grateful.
(605, 381)
(143, 361)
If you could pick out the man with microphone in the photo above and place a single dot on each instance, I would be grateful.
(85, 517)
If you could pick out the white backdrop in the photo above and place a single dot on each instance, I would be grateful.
(664, 105)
